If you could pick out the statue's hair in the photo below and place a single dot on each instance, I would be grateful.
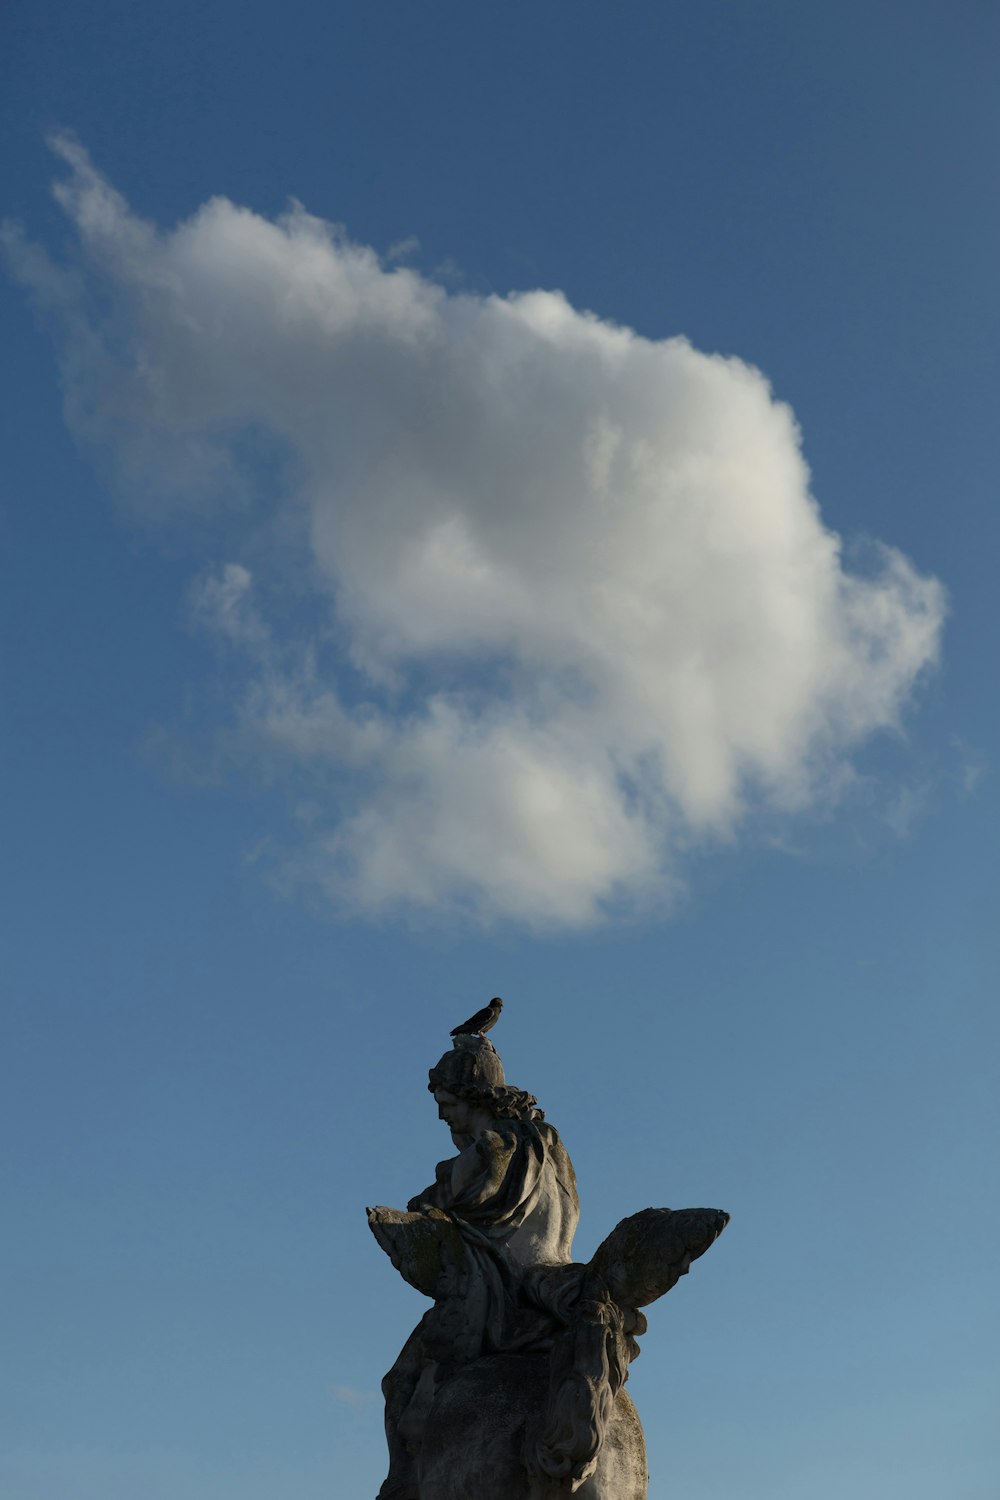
(587, 1367)
(502, 1100)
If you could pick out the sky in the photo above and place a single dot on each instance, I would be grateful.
(498, 500)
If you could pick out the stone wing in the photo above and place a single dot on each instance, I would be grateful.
(647, 1253)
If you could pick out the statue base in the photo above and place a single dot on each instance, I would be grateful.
(488, 1418)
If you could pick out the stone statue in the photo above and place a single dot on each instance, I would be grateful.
(511, 1387)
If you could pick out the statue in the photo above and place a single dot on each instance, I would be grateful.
(511, 1387)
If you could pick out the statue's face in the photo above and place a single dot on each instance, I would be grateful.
(454, 1112)
(464, 1119)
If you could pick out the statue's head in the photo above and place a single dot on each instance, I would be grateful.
(473, 1073)
(472, 1063)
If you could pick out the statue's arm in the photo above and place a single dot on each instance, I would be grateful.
(427, 1199)
(479, 1174)
(468, 1170)
(438, 1195)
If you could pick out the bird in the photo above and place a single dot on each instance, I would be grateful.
(482, 1021)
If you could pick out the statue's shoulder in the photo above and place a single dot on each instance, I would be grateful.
(502, 1139)
(550, 1136)
(514, 1132)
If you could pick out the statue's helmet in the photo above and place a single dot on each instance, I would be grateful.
(471, 1066)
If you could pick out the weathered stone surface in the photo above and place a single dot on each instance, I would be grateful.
(511, 1385)
(426, 1248)
(498, 1404)
(648, 1253)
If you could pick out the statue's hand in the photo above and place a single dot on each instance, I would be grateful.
(425, 1247)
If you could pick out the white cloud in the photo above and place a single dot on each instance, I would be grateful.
(222, 603)
(972, 765)
(906, 807)
(404, 249)
(594, 608)
(347, 1395)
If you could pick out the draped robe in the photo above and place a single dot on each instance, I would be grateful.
(511, 1196)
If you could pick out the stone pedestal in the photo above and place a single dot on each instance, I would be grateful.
(488, 1418)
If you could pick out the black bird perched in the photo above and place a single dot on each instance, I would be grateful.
(482, 1020)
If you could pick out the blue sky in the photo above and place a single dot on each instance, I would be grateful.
(379, 638)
